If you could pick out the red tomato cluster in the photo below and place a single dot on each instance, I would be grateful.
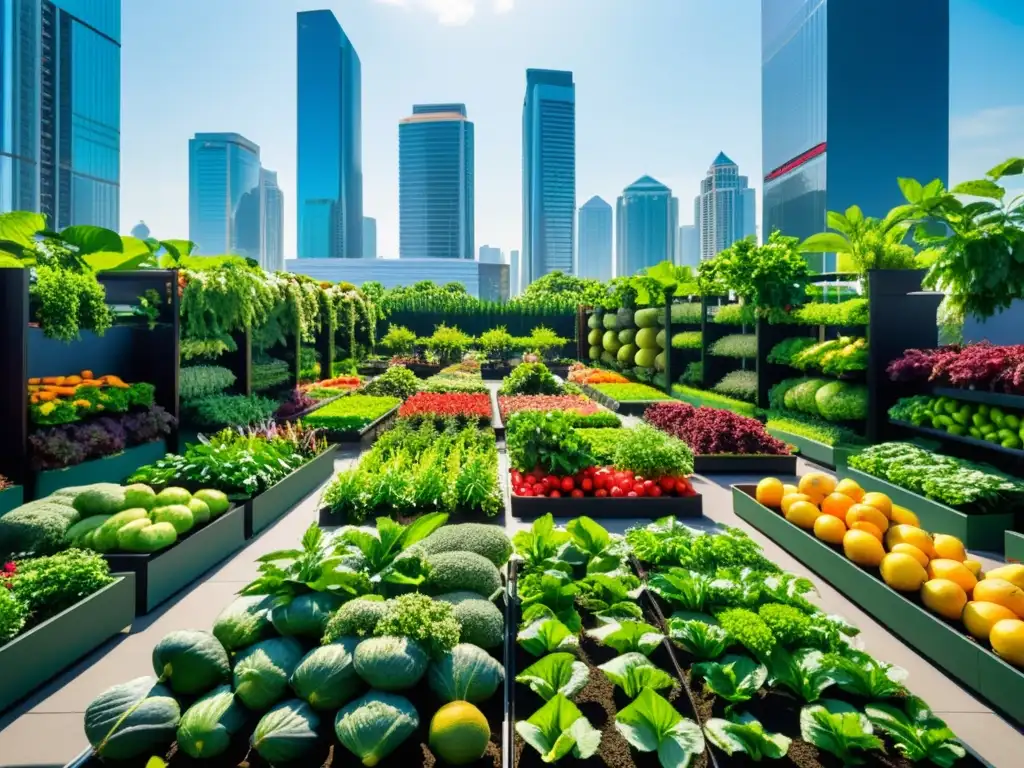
(599, 482)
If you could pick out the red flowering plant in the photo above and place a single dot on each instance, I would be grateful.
(714, 431)
(448, 405)
(514, 403)
(7, 574)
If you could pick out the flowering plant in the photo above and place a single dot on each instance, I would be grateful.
(576, 403)
(297, 402)
(447, 405)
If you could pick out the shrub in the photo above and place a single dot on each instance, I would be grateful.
(449, 344)
(396, 381)
(544, 340)
(351, 412)
(496, 343)
(442, 383)
(739, 384)
(530, 379)
(12, 615)
(399, 340)
(49, 585)
(197, 381)
(735, 345)
(693, 374)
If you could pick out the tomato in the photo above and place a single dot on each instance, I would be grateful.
(567, 484)
(577, 494)
(683, 485)
(616, 492)
(554, 495)
(648, 484)
(554, 481)
(589, 471)
(587, 485)
(539, 489)
(530, 480)
(600, 493)
(625, 485)
(524, 492)
(632, 494)
(638, 479)
(655, 491)
(601, 482)
(668, 484)
(619, 477)
(638, 489)
(517, 478)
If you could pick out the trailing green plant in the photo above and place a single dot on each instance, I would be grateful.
(741, 385)
(735, 345)
(66, 301)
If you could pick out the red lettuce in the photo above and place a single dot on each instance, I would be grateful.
(711, 431)
(975, 366)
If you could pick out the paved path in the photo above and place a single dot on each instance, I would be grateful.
(46, 730)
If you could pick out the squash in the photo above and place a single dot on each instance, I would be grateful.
(86, 374)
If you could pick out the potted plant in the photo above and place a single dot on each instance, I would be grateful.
(545, 341)
(497, 343)
(448, 345)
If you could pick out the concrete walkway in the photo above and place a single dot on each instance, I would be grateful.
(46, 730)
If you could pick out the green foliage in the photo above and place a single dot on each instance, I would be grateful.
(687, 340)
(558, 728)
(735, 345)
(356, 618)
(530, 379)
(445, 382)
(687, 313)
(633, 672)
(735, 678)
(627, 636)
(397, 381)
(763, 277)
(700, 636)
(399, 340)
(864, 242)
(603, 442)
(269, 373)
(812, 429)
(852, 312)
(630, 392)
(741, 385)
(651, 453)
(836, 357)
(48, 585)
(12, 616)
(834, 401)
(197, 381)
(543, 340)
(652, 724)
(430, 622)
(216, 411)
(748, 629)
(806, 672)
(351, 412)
(693, 374)
(744, 733)
(839, 728)
(66, 301)
(556, 673)
(735, 314)
(917, 732)
(496, 343)
(449, 344)
(482, 538)
(783, 352)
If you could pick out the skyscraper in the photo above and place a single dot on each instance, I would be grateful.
(435, 183)
(875, 133)
(647, 217)
(514, 273)
(725, 207)
(595, 240)
(272, 224)
(224, 195)
(549, 174)
(688, 247)
(330, 150)
(489, 255)
(60, 101)
(369, 238)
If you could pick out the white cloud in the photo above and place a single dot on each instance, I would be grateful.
(983, 139)
(452, 13)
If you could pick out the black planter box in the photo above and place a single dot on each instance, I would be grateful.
(11, 498)
(724, 465)
(267, 507)
(36, 656)
(327, 519)
(370, 431)
(159, 575)
(607, 508)
(424, 370)
(109, 469)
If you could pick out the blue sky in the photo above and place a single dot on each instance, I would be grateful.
(661, 87)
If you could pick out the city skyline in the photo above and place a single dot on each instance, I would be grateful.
(224, 210)
(726, 208)
(646, 226)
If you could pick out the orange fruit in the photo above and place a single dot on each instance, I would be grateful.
(979, 617)
(830, 529)
(954, 571)
(803, 514)
(769, 492)
(1007, 638)
(791, 498)
(836, 504)
(1002, 593)
(850, 488)
(902, 572)
(862, 512)
(944, 597)
(949, 547)
(863, 525)
(863, 549)
(879, 501)
(910, 534)
(817, 485)
(910, 549)
(788, 488)
(904, 516)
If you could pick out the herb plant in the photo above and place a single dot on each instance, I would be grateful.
(530, 379)
(220, 410)
(197, 381)
(351, 413)
(630, 392)
(651, 453)
(687, 340)
(741, 385)
(735, 345)
(546, 440)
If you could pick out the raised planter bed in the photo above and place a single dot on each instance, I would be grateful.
(266, 508)
(11, 498)
(735, 464)
(1013, 546)
(750, 411)
(109, 469)
(36, 656)
(976, 531)
(424, 370)
(621, 407)
(159, 575)
(327, 519)
(369, 432)
(319, 404)
(607, 508)
(947, 646)
(831, 456)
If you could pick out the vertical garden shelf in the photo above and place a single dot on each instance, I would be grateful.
(130, 349)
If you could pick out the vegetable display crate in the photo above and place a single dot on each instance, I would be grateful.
(948, 437)
(976, 531)
(998, 399)
(699, 402)
(1013, 546)
(424, 370)
(621, 407)
(266, 508)
(369, 432)
(607, 508)
(109, 469)
(34, 657)
(11, 498)
(831, 456)
(727, 464)
(951, 649)
(159, 575)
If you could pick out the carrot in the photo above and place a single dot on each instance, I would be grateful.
(36, 380)
(65, 391)
(34, 399)
(53, 380)
(46, 396)
(72, 380)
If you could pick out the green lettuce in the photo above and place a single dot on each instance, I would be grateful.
(627, 636)
(917, 732)
(633, 672)
(556, 673)
(651, 724)
(558, 728)
(837, 727)
(735, 678)
(744, 733)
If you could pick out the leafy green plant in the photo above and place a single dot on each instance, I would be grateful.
(837, 727)
(351, 413)
(741, 385)
(683, 589)
(806, 672)
(541, 544)
(66, 301)
(863, 242)
(399, 340)
(692, 374)
(919, 735)
(530, 379)
(546, 635)
(783, 352)
(602, 441)
(744, 733)
(387, 553)
(496, 343)
(544, 341)
(197, 381)
(627, 636)
(734, 314)
(651, 453)
(449, 344)
(396, 381)
(430, 622)
(813, 429)
(12, 616)
(860, 674)
(738, 345)
(554, 590)
(269, 373)
(216, 411)
(713, 399)
(848, 313)
(686, 313)
(651, 724)
(45, 586)
(735, 678)
(548, 440)
(748, 629)
(699, 634)
(633, 672)
(554, 674)
(790, 626)
(558, 728)
(687, 340)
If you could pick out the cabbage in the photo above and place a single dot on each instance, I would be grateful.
(305, 615)
(374, 726)
(286, 733)
(132, 719)
(191, 661)
(207, 727)
(262, 671)
(391, 663)
(244, 622)
(466, 673)
(326, 677)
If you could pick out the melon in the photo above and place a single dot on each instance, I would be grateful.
(207, 727)
(660, 338)
(627, 353)
(594, 353)
(611, 341)
(659, 361)
(611, 322)
(647, 318)
(644, 358)
(594, 337)
(191, 661)
(647, 338)
(594, 321)
(217, 501)
(627, 336)
(459, 733)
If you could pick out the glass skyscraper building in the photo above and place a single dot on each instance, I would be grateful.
(330, 151)
(435, 183)
(224, 195)
(838, 126)
(594, 257)
(647, 220)
(549, 174)
(60, 109)
(272, 222)
(725, 209)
